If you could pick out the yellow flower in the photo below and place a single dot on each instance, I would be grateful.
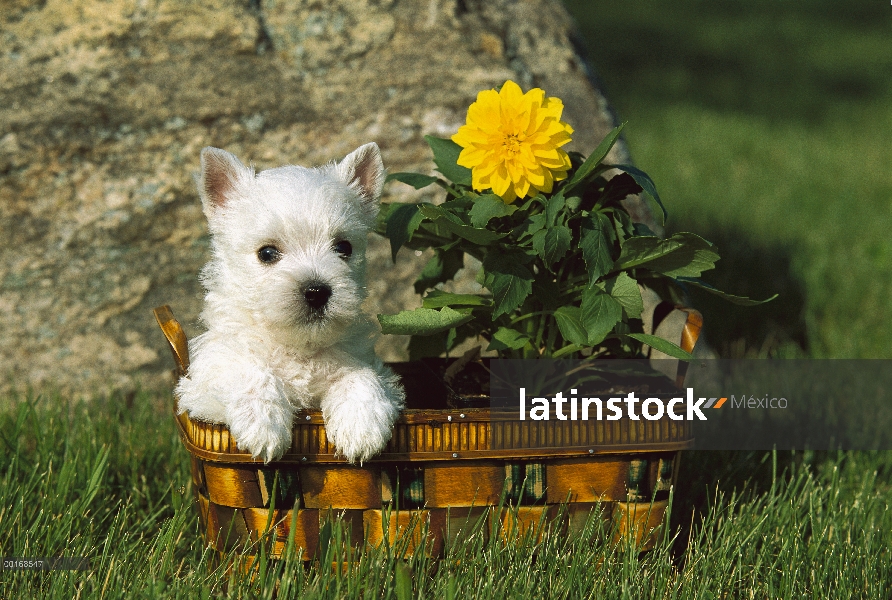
(511, 142)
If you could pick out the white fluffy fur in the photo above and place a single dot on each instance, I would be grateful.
(266, 353)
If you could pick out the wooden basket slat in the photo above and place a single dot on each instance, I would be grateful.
(463, 484)
(341, 486)
(592, 480)
(413, 528)
(414, 437)
(554, 434)
(201, 500)
(351, 521)
(458, 443)
(639, 523)
(437, 439)
(197, 472)
(226, 528)
(579, 513)
(235, 487)
(519, 521)
(446, 438)
(301, 524)
(459, 521)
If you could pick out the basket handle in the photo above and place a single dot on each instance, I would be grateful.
(691, 332)
(172, 330)
(689, 336)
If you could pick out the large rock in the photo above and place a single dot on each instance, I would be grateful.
(105, 105)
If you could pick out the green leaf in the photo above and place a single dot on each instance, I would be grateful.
(505, 338)
(454, 224)
(573, 203)
(509, 281)
(402, 221)
(423, 321)
(442, 267)
(547, 290)
(460, 204)
(569, 321)
(596, 241)
(439, 231)
(594, 159)
(664, 346)
(450, 339)
(433, 212)
(618, 188)
(487, 207)
(446, 158)
(552, 244)
(623, 225)
(529, 202)
(483, 278)
(681, 255)
(641, 249)
(642, 230)
(569, 349)
(646, 183)
(741, 300)
(599, 314)
(538, 241)
(439, 299)
(416, 180)
(625, 290)
(553, 207)
(509, 291)
(530, 226)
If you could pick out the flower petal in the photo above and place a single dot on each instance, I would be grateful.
(511, 141)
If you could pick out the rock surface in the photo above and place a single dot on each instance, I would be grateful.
(105, 106)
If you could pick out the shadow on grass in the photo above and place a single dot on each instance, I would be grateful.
(707, 477)
(757, 270)
(759, 58)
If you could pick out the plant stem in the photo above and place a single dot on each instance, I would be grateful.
(449, 189)
(540, 331)
(552, 337)
(528, 315)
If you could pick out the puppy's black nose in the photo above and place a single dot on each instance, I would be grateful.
(317, 295)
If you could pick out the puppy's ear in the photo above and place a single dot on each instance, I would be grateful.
(221, 173)
(363, 171)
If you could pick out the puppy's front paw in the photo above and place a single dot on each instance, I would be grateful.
(359, 412)
(263, 429)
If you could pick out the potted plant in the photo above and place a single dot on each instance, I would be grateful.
(562, 262)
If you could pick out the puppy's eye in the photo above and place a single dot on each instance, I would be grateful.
(344, 248)
(269, 254)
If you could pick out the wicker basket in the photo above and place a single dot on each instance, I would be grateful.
(442, 468)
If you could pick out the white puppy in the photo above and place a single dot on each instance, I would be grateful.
(284, 287)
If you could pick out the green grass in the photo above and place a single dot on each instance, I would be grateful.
(765, 125)
(110, 482)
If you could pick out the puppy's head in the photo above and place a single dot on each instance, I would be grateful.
(289, 243)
